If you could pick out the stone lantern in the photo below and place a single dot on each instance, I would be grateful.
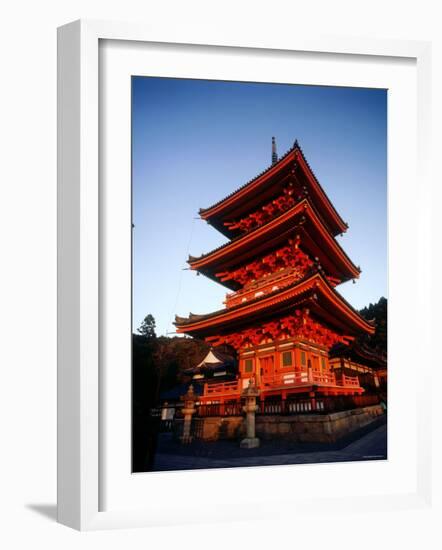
(250, 394)
(188, 411)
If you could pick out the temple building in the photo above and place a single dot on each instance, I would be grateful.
(358, 359)
(281, 266)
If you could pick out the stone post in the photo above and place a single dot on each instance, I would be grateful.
(188, 411)
(250, 394)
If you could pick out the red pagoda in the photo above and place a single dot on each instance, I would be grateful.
(282, 265)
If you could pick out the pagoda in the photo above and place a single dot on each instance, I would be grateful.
(282, 265)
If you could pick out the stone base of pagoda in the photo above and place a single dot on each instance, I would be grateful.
(314, 428)
(298, 428)
(249, 443)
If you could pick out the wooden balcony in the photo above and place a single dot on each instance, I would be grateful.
(305, 378)
(349, 381)
(268, 284)
(223, 389)
(283, 382)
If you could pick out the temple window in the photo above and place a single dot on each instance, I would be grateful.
(287, 359)
(303, 359)
(248, 365)
(315, 363)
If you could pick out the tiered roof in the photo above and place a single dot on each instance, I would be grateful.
(283, 204)
(313, 292)
(264, 185)
(302, 219)
(362, 353)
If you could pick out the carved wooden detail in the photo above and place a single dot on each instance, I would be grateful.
(300, 324)
(289, 256)
(267, 212)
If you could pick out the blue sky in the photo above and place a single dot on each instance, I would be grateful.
(195, 141)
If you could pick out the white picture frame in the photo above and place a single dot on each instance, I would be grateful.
(79, 272)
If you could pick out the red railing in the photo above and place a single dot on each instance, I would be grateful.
(281, 280)
(310, 405)
(222, 388)
(220, 409)
(349, 381)
(324, 378)
(297, 379)
(282, 380)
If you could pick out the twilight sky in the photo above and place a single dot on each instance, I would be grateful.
(196, 141)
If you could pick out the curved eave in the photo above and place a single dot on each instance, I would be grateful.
(252, 185)
(340, 225)
(359, 354)
(221, 209)
(316, 289)
(243, 246)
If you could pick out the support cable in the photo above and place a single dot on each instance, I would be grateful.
(180, 280)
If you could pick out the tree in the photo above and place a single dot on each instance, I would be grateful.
(378, 313)
(147, 328)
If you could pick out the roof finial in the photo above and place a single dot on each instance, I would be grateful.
(274, 153)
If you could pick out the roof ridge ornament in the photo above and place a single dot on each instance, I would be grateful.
(274, 153)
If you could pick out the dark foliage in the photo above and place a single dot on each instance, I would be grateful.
(143, 395)
(378, 313)
(157, 365)
(147, 328)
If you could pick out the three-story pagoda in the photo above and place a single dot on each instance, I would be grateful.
(281, 265)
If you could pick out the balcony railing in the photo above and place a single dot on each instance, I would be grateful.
(270, 283)
(309, 405)
(234, 408)
(222, 388)
(349, 381)
(298, 379)
(328, 378)
(282, 381)
(271, 406)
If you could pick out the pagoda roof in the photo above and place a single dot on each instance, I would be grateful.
(253, 192)
(314, 292)
(361, 353)
(214, 361)
(302, 219)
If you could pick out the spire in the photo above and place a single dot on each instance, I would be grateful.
(274, 153)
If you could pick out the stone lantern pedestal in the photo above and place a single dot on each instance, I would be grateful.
(188, 411)
(250, 394)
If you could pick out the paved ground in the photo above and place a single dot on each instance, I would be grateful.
(369, 444)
